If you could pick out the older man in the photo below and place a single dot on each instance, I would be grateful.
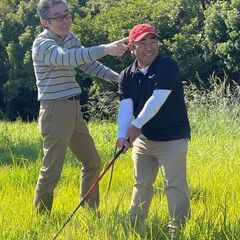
(56, 53)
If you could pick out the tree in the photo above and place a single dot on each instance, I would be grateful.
(222, 28)
(3, 75)
(19, 27)
(202, 35)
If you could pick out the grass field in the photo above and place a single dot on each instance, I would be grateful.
(213, 176)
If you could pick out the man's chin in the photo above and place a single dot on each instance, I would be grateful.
(65, 33)
(150, 60)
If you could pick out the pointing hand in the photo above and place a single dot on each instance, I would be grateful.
(117, 48)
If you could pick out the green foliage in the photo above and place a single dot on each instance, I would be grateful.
(3, 75)
(222, 95)
(222, 29)
(19, 26)
(103, 105)
(203, 36)
(17, 32)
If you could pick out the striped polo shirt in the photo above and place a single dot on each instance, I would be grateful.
(55, 61)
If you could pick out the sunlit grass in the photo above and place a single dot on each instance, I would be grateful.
(213, 176)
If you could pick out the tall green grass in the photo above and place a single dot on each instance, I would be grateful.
(213, 176)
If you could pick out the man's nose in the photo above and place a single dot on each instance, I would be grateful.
(149, 46)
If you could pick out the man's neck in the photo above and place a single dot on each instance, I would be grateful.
(142, 66)
(55, 34)
(144, 70)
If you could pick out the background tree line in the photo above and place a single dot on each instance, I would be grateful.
(204, 36)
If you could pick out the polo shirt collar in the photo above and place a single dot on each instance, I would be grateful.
(134, 67)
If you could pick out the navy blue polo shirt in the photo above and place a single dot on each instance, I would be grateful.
(171, 121)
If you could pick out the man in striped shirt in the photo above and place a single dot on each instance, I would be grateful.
(56, 53)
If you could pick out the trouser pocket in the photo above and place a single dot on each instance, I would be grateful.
(45, 117)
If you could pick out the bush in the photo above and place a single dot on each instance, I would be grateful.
(103, 107)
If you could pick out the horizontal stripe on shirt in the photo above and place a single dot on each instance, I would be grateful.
(55, 60)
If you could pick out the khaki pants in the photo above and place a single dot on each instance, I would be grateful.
(61, 125)
(170, 156)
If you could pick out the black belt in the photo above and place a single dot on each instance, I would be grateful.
(77, 97)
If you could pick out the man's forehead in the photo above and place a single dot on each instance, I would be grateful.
(58, 9)
(148, 36)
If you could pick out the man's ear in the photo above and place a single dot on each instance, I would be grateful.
(44, 22)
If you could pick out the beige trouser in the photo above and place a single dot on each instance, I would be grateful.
(170, 156)
(61, 125)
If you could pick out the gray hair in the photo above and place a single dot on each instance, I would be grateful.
(44, 5)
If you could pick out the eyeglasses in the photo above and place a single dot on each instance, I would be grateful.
(60, 18)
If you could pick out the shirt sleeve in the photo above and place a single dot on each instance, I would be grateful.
(99, 70)
(47, 51)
